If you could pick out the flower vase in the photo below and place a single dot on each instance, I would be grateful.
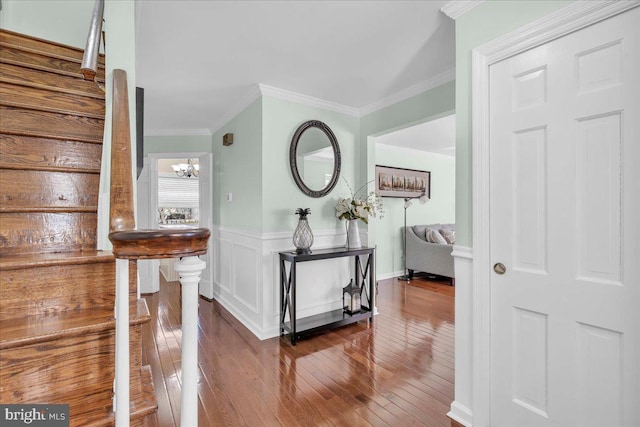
(353, 234)
(302, 236)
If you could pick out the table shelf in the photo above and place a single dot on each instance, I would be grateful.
(303, 327)
(317, 323)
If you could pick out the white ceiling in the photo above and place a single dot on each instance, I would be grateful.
(196, 60)
(436, 136)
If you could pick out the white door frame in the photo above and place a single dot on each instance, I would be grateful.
(206, 210)
(569, 19)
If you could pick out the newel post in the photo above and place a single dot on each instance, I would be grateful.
(189, 269)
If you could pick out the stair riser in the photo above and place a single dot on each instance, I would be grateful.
(23, 190)
(46, 100)
(37, 61)
(65, 370)
(50, 125)
(64, 84)
(47, 232)
(56, 288)
(24, 152)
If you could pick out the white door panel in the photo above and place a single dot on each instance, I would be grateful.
(565, 213)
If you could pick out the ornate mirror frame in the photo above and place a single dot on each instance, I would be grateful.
(294, 163)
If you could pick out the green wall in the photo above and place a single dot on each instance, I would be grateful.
(281, 196)
(177, 144)
(480, 25)
(61, 21)
(439, 209)
(238, 170)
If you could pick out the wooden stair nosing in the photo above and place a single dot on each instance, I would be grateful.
(21, 332)
(31, 260)
(28, 77)
(48, 135)
(51, 101)
(35, 43)
(4, 165)
(55, 209)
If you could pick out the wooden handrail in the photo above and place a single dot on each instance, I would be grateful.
(89, 66)
(130, 244)
(121, 217)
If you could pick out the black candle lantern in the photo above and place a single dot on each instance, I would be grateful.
(351, 298)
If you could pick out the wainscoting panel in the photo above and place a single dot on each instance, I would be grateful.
(461, 406)
(247, 276)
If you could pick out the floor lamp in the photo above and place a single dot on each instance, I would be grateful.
(407, 204)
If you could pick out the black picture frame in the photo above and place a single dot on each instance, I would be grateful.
(401, 182)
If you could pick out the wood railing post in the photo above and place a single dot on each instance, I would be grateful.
(189, 269)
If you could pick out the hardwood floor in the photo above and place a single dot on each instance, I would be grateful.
(398, 372)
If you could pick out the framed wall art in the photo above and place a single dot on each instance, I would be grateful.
(400, 182)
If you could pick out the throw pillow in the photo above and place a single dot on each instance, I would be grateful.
(449, 235)
(433, 236)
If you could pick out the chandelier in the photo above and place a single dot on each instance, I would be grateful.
(186, 170)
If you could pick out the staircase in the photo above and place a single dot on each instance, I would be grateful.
(57, 292)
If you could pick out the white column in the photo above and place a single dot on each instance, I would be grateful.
(189, 269)
(121, 401)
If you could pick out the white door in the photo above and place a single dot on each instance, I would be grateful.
(565, 214)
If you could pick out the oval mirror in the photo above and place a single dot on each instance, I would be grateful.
(314, 157)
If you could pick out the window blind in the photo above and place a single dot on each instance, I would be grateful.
(176, 192)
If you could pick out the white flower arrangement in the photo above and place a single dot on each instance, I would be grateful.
(360, 207)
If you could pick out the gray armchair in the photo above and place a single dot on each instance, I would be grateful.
(432, 258)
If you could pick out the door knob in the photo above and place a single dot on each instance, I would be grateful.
(499, 268)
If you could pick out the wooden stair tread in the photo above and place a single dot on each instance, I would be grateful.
(31, 260)
(13, 95)
(28, 77)
(35, 60)
(41, 328)
(17, 121)
(46, 47)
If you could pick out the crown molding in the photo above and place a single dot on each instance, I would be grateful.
(265, 90)
(417, 89)
(564, 21)
(248, 99)
(456, 8)
(310, 101)
(177, 132)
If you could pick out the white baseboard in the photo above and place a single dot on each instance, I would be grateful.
(461, 414)
(391, 275)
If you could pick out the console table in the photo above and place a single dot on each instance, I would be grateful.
(364, 273)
